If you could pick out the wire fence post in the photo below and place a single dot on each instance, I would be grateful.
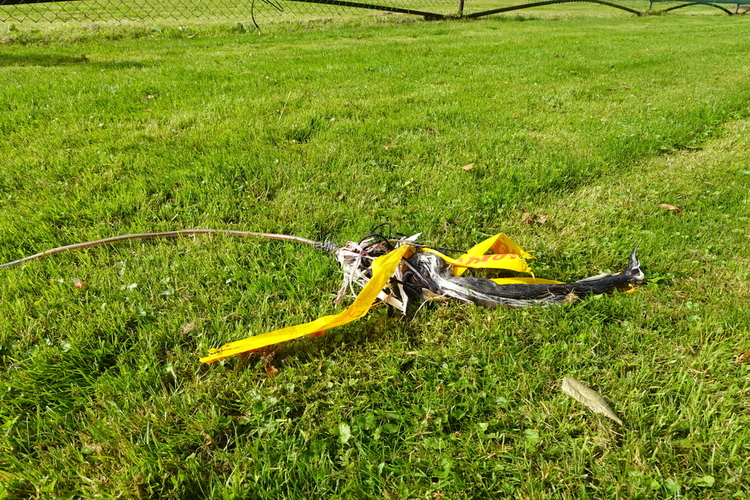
(460, 8)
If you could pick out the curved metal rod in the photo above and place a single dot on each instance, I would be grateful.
(431, 16)
(146, 236)
(549, 2)
(696, 3)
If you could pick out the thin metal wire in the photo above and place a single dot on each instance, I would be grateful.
(166, 234)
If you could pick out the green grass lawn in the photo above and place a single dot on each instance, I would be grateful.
(322, 131)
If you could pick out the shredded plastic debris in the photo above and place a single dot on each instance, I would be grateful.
(398, 270)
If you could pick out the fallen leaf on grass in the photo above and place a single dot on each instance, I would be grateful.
(743, 357)
(271, 370)
(529, 218)
(671, 208)
(79, 285)
(468, 167)
(588, 397)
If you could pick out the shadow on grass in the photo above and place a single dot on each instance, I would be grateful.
(52, 60)
(120, 65)
(40, 60)
(366, 333)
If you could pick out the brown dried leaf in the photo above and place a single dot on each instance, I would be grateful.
(529, 218)
(271, 370)
(743, 357)
(468, 167)
(79, 285)
(672, 208)
(588, 397)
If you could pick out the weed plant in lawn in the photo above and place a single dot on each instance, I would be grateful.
(323, 132)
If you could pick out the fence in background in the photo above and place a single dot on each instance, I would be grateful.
(261, 11)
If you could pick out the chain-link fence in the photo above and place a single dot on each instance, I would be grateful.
(261, 11)
(270, 11)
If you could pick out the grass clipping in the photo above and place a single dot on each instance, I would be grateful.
(588, 397)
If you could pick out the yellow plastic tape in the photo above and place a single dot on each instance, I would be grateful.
(501, 245)
(507, 256)
(510, 262)
(382, 269)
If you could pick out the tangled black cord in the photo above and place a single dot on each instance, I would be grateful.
(387, 239)
(379, 237)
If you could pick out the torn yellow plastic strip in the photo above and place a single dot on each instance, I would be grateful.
(508, 261)
(382, 269)
(500, 244)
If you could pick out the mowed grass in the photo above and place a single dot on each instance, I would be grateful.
(324, 131)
